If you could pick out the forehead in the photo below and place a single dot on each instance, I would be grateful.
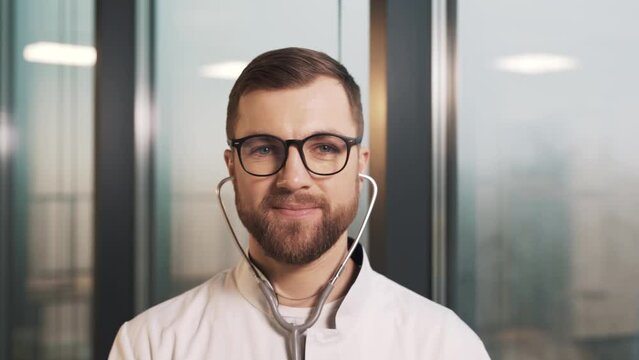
(320, 106)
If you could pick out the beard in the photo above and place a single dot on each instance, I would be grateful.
(296, 242)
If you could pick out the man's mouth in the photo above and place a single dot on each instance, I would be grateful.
(296, 210)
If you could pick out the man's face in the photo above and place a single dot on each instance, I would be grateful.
(295, 215)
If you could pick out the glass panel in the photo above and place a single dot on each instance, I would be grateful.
(51, 213)
(548, 256)
(193, 38)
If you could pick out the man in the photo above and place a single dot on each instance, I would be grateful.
(297, 198)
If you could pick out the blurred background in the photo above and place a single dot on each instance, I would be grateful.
(503, 137)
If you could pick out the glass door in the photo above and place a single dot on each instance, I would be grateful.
(47, 144)
(547, 257)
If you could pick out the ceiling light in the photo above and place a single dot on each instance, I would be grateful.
(229, 70)
(533, 64)
(60, 54)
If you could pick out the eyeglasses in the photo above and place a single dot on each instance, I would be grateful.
(322, 154)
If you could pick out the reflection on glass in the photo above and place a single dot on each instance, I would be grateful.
(51, 215)
(548, 255)
(60, 54)
(201, 48)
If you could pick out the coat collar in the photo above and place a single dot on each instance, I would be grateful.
(352, 306)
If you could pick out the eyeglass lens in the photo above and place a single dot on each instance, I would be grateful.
(265, 155)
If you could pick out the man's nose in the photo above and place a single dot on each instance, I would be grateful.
(294, 175)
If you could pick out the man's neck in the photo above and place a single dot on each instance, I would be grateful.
(301, 285)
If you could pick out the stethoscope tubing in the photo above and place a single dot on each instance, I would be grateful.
(295, 332)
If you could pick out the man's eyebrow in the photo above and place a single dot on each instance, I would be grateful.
(251, 133)
(327, 131)
(316, 132)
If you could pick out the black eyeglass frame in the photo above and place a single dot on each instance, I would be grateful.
(299, 144)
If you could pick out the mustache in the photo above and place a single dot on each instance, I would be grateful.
(281, 199)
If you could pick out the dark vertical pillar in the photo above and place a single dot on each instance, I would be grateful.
(114, 171)
(403, 247)
(5, 176)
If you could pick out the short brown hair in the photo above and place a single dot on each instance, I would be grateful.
(290, 68)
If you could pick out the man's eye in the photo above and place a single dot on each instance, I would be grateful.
(326, 148)
(261, 150)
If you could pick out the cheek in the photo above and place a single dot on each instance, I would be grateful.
(252, 191)
(343, 189)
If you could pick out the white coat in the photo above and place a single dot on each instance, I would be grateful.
(228, 318)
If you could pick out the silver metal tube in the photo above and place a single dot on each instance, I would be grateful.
(443, 118)
(218, 192)
(144, 148)
(361, 228)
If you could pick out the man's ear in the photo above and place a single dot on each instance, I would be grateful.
(362, 161)
(230, 163)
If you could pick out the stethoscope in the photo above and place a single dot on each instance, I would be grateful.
(295, 332)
